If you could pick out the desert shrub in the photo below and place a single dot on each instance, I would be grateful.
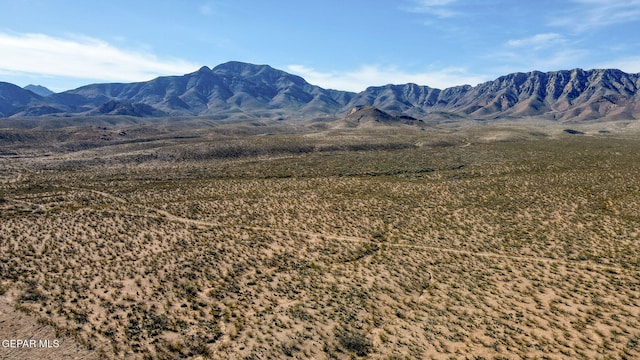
(354, 342)
(188, 289)
(200, 348)
(33, 294)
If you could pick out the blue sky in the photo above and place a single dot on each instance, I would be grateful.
(346, 44)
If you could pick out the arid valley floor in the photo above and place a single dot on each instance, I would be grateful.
(498, 241)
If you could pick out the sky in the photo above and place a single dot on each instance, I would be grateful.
(345, 45)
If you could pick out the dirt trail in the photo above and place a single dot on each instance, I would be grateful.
(171, 217)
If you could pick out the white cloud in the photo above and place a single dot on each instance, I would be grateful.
(375, 75)
(82, 57)
(538, 41)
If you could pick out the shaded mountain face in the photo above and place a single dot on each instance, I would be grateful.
(241, 90)
(124, 108)
(370, 116)
(14, 98)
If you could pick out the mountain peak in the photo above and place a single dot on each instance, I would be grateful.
(263, 74)
(39, 90)
(362, 111)
(241, 68)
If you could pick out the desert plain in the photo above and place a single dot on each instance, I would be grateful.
(463, 240)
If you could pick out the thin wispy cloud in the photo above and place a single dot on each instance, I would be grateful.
(208, 8)
(538, 41)
(439, 8)
(82, 57)
(519, 60)
(629, 64)
(205, 9)
(544, 52)
(592, 14)
(375, 75)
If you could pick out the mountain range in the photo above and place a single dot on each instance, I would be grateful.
(236, 90)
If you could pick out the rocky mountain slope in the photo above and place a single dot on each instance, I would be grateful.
(562, 95)
(240, 90)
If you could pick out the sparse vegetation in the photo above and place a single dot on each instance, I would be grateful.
(483, 241)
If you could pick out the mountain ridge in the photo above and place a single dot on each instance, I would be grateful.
(240, 90)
